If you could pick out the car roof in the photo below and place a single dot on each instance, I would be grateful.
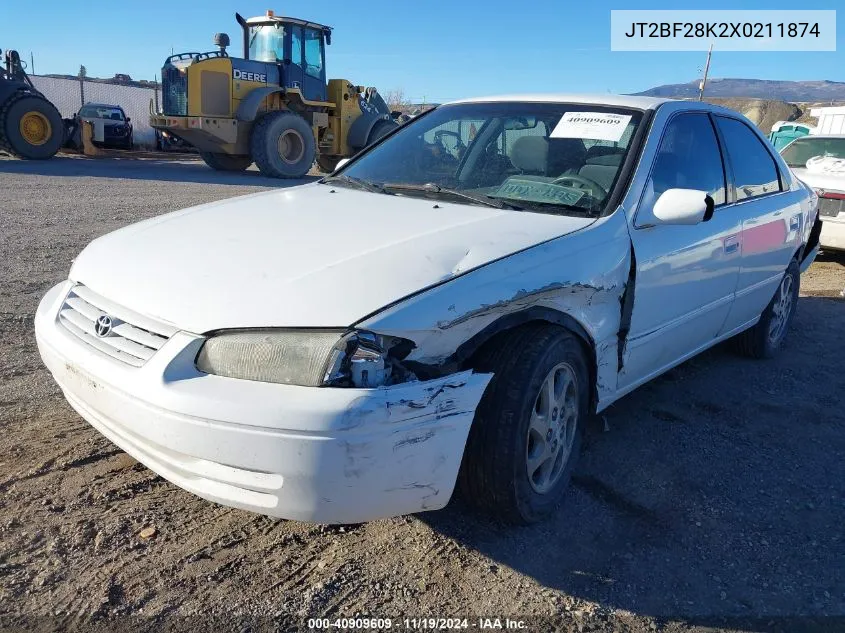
(103, 105)
(626, 101)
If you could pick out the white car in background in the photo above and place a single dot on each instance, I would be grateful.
(451, 305)
(819, 161)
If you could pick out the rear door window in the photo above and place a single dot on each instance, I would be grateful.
(754, 169)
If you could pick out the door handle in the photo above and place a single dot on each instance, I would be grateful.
(731, 244)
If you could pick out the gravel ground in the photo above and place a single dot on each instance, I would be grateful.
(712, 498)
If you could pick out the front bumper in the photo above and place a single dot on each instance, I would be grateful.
(214, 134)
(327, 455)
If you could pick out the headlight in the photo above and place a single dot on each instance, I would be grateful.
(299, 357)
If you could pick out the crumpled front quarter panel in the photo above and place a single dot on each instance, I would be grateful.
(582, 275)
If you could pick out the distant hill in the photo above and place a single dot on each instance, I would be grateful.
(755, 89)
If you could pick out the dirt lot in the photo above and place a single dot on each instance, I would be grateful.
(714, 497)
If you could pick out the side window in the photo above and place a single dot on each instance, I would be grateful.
(313, 53)
(689, 158)
(296, 45)
(754, 169)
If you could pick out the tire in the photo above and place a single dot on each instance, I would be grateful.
(226, 162)
(30, 127)
(494, 475)
(283, 145)
(327, 164)
(766, 338)
(381, 128)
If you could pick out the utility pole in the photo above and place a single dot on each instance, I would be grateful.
(31, 63)
(706, 70)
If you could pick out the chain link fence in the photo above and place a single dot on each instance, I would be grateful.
(69, 95)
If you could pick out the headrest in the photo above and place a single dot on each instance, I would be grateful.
(602, 150)
(529, 153)
(610, 160)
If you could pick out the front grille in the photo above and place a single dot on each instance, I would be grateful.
(132, 339)
(174, 91)
(831, 207)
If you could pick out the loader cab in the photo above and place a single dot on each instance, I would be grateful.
(297, 46)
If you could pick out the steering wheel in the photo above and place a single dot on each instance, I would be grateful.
(580, 182)
(438, 138)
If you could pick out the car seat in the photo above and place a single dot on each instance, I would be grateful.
(542, 156)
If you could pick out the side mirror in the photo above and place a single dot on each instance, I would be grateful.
(128, 119)
(683, 206)
(341, 163)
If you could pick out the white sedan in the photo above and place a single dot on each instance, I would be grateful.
(449, 307)
(819, 161)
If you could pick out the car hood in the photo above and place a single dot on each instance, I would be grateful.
(820, 179)
(309, 256)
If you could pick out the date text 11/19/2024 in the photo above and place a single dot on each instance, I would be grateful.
(417, 624)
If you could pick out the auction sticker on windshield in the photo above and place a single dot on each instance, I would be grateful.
(601, 126)
(532, 190)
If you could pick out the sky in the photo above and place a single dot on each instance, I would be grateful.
(431, 50)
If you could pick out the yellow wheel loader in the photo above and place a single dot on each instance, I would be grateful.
(30, 126)
(273, 106)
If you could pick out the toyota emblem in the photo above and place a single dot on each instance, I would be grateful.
(103, 325)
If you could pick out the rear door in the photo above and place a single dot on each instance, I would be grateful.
(685, 275)
(770, 214)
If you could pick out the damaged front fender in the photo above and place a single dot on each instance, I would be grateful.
(577, 281)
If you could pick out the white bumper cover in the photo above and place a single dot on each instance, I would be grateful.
(833, 233)
(327, 455)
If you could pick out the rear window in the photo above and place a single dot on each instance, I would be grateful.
(102, 112)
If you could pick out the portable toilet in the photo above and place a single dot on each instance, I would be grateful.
(784, 132)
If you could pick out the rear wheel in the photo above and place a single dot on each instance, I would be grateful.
(30, 127)
(327, 164)
(381, 128)
(226, 162)
(526, 435)
(283, 145)
(765, 339)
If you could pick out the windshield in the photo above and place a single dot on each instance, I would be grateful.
(102, 112)
(797, 153)
(546, 157)
(266, 42)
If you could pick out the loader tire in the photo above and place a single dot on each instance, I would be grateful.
(283, 145)
(327, 164)
(30, 127)
(226, 162)
(381, 128)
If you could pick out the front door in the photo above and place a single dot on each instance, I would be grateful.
(294, 67)
(315, 71)
(685, 275)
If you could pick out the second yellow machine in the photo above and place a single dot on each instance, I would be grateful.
(272, 107)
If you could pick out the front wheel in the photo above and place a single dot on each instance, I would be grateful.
(765, 339)
(526, 435)
(30, 127)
